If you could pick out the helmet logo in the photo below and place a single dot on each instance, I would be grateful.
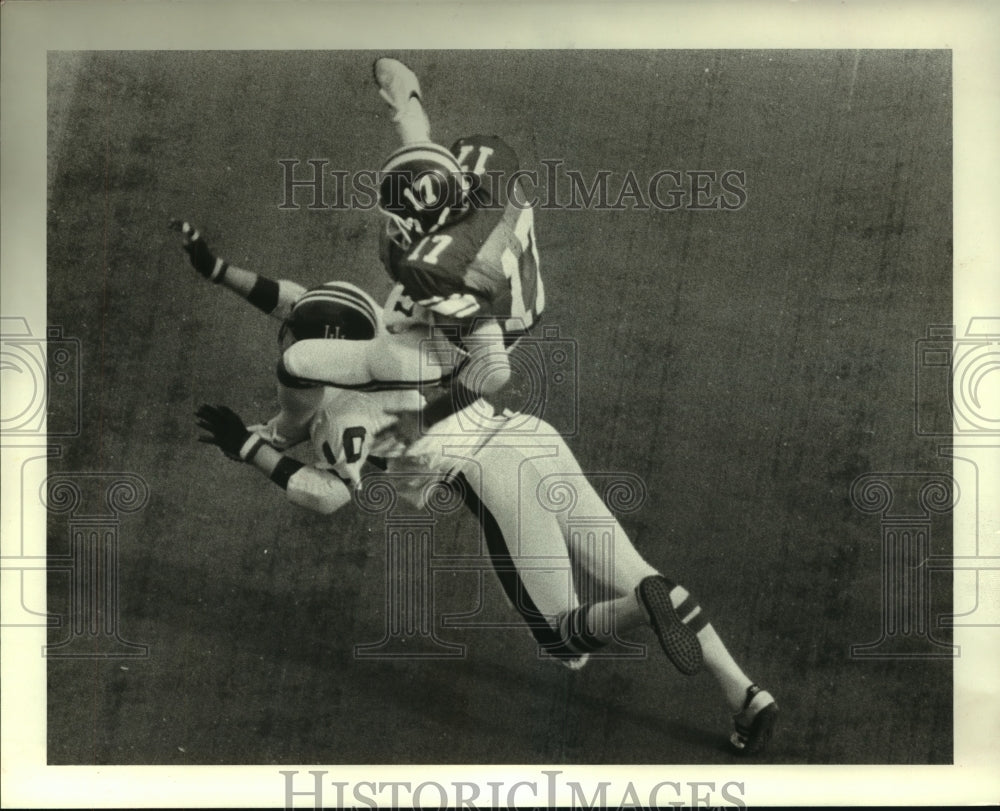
(421, 188)
(423, 192)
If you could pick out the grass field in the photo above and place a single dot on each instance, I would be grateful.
(748, 365)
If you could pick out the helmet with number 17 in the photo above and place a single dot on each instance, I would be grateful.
(332, 310)
(421, 188)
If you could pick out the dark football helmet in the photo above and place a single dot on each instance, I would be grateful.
(332, 310)
(421, 188)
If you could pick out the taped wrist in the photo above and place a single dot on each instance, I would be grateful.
(218, 271)
(205, 262)
(250, 447)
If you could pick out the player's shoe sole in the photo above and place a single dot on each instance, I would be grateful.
(755, 723)
(397, 84)
(572, 662)
(678, 641)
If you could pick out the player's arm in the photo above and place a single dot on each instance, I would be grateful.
(486, 371)
(304, 485)
(273, 297)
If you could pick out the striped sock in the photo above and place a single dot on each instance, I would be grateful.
(575, 634)
(717, 658)
(687, 609)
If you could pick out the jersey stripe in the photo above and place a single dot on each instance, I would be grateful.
(456, 305)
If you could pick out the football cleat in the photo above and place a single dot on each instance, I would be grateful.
(397, 84)
(755, 722)
(678, 641)
(574, 662)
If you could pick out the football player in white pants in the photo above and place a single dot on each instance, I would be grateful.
(500, 468)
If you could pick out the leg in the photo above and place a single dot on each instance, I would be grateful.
(526, 549)
(404, 360)
(528, 546)
(645, 597)
(399, 87)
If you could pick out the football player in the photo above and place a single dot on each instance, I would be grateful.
(500, 474)
(460, 244)
(408, 358)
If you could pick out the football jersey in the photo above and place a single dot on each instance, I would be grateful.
(484, 265)
(345, 430)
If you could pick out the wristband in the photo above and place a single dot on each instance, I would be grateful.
(284, 470)
(265, 294)
(218, 271)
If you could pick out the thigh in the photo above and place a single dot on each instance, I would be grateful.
(605, 561)
(525, 541)
(386, 361)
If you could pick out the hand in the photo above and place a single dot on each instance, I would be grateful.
(268, 431)
(225, 429)
(202, 258)
(406, 428)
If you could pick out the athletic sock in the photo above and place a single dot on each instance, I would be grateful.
(717, 659)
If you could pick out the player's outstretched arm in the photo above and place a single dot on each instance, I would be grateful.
(304, 485)
(269, 296)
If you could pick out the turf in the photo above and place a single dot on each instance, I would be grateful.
(748, 365)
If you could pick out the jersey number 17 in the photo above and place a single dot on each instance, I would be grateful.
(519, 261)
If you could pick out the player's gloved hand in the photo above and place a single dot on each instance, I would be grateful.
(406, 428)
(202, 259)
(226, 429)
(268, 431)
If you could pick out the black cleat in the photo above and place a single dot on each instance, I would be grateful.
(678, 641)
(755, 722)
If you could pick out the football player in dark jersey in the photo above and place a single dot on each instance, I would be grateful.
(459, 243)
